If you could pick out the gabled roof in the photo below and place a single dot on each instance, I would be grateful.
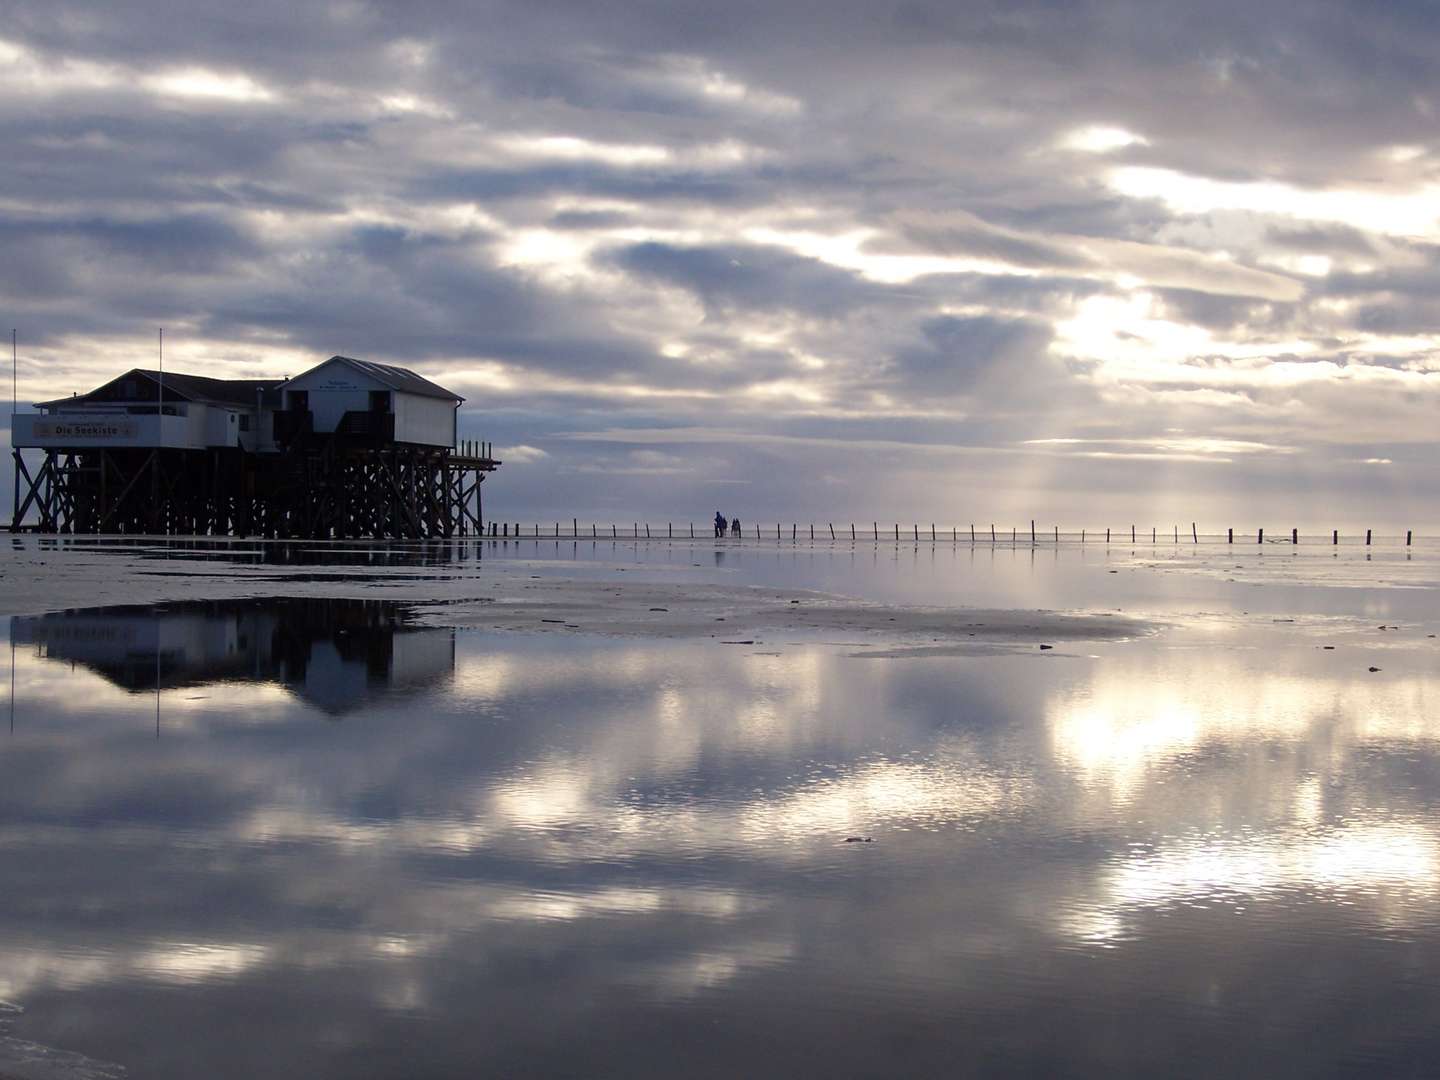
(196, 388)
(397, 378)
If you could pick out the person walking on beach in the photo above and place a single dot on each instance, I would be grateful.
(719, 524)
(735, 527)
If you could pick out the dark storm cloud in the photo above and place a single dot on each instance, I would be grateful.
(1323, 239)
(1222, 312)
(750, 278)
(958, 355)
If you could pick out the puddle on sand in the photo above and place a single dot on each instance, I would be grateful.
(532, 852)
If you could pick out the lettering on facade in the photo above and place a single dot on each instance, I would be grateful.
(86, 429)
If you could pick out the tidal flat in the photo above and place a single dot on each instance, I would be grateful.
(630, 809)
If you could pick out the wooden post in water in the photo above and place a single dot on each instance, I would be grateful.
(992, 532)
(972, 532)
(1294, 536)
(1409, 533)
(1260, 537)
(614, 532)
(1152, 534)
(1012, 535)
(1334, 537)
(1177, 534)
(917, 532)
(1230, 535)
(1107, 536)
(1367, 537)
(1032, 532)
(852, 532)
(1194, 533)
(832, 530)
(876, 526)
(897, 532)
(932, 532)
(1057, 534)
(1132, 534)
(1082, 536)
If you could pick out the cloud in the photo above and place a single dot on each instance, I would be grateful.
(882, 222)
(519, 455)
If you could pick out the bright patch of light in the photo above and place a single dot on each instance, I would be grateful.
(1411, 214)
(547, 249)
(1124, 336)
(25, 71)
(785, 388)
(1188, 444)
(1354, 859)
(572, 148)
(1100, 139)
(1312, 265)
(419, 106)
(844, 250)
(519, 455)
(198, 82)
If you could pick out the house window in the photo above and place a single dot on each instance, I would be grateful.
(379, 401)
(300, 400)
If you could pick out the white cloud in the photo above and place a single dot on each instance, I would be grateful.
(520, 455)
(1101, 139)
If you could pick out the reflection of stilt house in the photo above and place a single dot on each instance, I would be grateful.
(335, 654)
(348, 449)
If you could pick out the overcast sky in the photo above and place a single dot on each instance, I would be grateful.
(1088, 262)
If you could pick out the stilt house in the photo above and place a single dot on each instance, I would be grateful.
(349, 448)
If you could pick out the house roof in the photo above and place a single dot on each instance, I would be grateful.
(397, 378)
(243, 392)
(197, 388)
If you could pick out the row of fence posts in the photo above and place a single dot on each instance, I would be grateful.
(474, 448)
(504, 529)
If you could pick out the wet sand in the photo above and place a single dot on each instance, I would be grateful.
(743, 615)
(507, 596)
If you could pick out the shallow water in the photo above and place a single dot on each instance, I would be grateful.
(336, 843)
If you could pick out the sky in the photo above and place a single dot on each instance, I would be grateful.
(1090, 263)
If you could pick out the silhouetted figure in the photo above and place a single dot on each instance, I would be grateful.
(719, 524)
(735, 527)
